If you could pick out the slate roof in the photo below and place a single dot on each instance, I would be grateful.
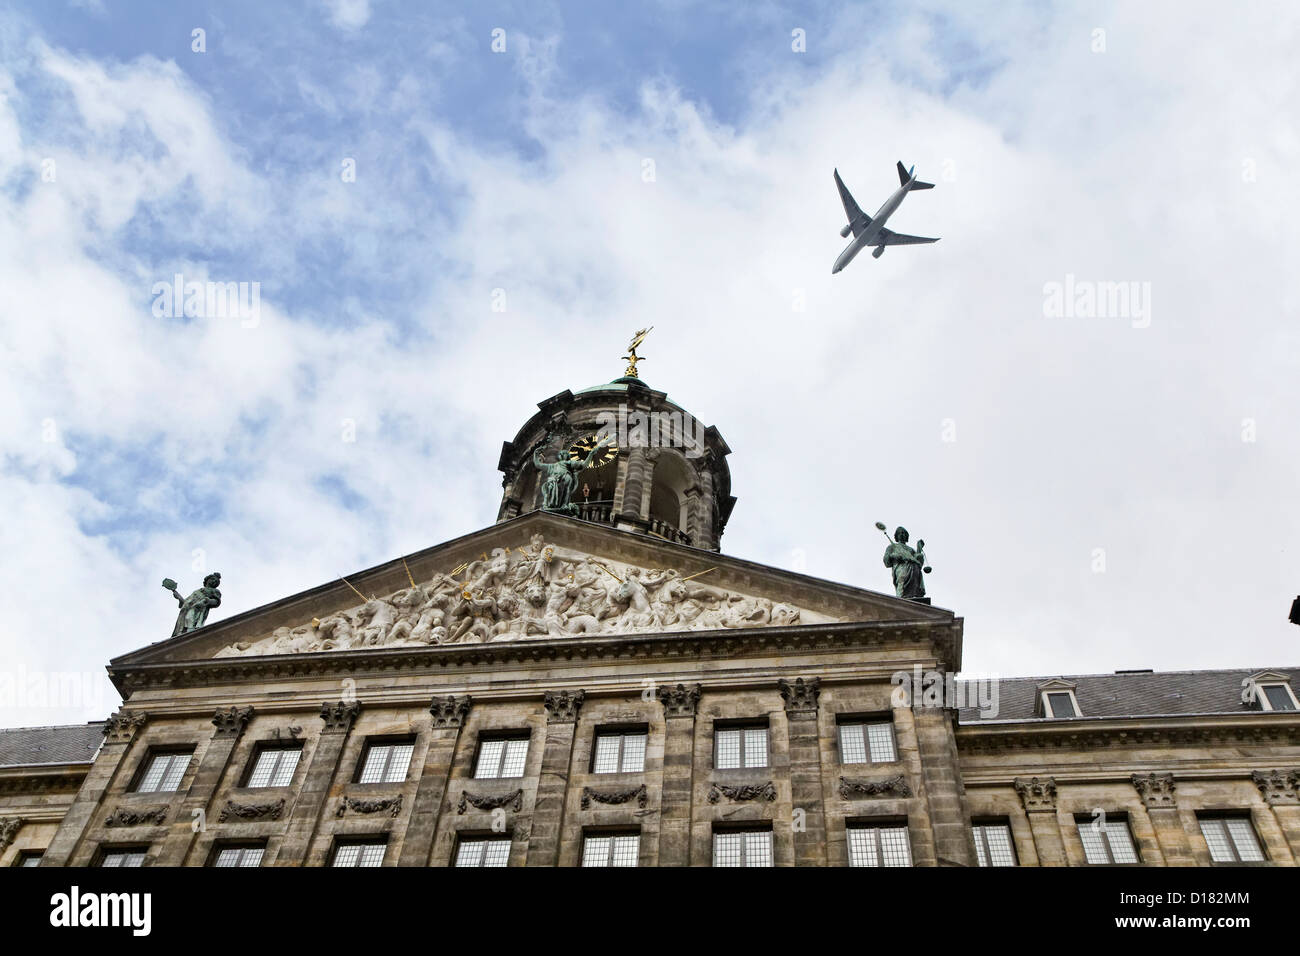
(1162, 694)
(69, 743)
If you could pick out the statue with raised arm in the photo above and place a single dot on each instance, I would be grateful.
(195, 608)
(907, 565)
(560, 478)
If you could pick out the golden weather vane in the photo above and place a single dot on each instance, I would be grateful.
(631, 356)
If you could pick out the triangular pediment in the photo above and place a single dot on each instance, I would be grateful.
(537, 577)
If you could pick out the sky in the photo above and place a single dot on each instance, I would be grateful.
(1083, 397)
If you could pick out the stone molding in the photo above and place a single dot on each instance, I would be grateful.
(231, 722)
(614, 796)
(562, 706)
(1156, 790)
(127, 817)
(679, 701)
(450, 711)
(890, 786)
(800, 697)
(514, 800)
(1279, 788)
(1024, 736)
(339, 716)
(738, 794)
(123, 725)
(1037, 794)
(9, 827)
(252, 811)
(391, 804)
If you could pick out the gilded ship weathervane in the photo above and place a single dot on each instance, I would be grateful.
(631, 356)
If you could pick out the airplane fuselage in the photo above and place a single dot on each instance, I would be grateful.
(872, 232)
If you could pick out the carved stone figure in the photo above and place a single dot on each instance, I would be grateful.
(560, 478)
(195, 608)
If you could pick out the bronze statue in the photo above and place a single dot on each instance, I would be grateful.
(560, 478)
(907, 564)
(195, 608)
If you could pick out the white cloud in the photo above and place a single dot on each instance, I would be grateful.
(348, 14)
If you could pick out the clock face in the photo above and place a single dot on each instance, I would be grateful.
(581, 448)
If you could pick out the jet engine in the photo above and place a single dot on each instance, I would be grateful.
(846, 230)
(877, 252)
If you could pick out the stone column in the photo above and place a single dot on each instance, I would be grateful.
(1157, 793)
(805, 770)
(639, 467)
(338, 718)
(1039, 797)
(552, 788)
(118, 735)
(180, 838)
(448, 718)
(680, 704)
(954, 843)
(1281, 791)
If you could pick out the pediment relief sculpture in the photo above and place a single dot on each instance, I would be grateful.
(542, 591)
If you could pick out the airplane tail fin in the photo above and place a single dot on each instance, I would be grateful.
(905, 177)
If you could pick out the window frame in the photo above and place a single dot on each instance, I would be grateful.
(25, 855)
(622, 732)
(1087, 821)
(153, 754)
(721, 727)
(865, 721)
(241, 846)
(504, 737)
(1223, 817)
(1261, 694)
(611, 835)
(265, 747)
(397, 740)
(342, 842)
(744, 830)
(467, 839)
(1050, 713)
(977, 828)
(104, 852)
(875, 826)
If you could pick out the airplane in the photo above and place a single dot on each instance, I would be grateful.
(869, 231)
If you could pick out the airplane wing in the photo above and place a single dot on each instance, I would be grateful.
(889, 238)
(858, 220)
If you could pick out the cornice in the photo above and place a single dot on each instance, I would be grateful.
(1130, 732)
(941, 638)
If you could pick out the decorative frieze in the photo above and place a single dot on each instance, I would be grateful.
(562, 706)
(760, 791)
(339, 716)
(1037, 794)
(9, 827)
(128, 817)
(679, 701)
(1155, 789)
(974, 739)
(590, 796)
(514, 800)
(252, 811)
(889, 787)
(122, 726)
(231, 722)
(450, 711)
(1279, 788)
(800, 697)
(393, 805)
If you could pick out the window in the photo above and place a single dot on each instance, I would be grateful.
(274, 767)
(612, 849)
(619, 752)
(123, 857)
(1231, 840)
(993, 846)
(1276, 697)
(245, 855)
(31, 858)
(879, 845)
(867, 742)
(386, 762)
(501, 758)
(492, 851)
(742, 848)
(1107, 840)
(359, 853)
(163, 772)
(1061, 704)
(737, 747)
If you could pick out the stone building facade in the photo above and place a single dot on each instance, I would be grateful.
(607, 688)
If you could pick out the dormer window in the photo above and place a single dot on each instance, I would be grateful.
(1269, 690)
(1056, 700)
